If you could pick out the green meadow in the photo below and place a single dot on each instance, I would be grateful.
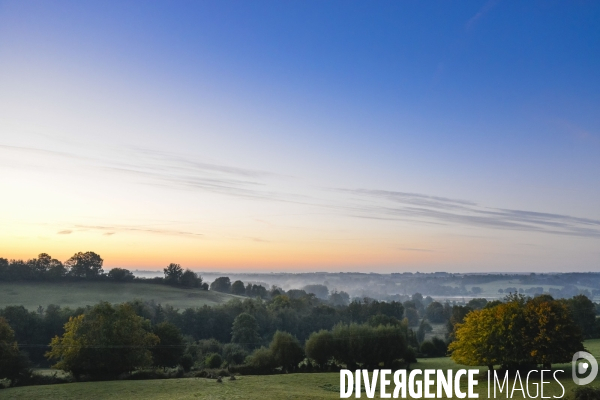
(265, 387)
(82, 293)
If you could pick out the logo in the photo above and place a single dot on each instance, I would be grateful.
(580, 369)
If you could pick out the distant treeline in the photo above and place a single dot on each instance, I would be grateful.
(87, 266)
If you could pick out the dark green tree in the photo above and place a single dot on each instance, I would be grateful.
(222, 284)
(435, 313)
(245, 331)
(238, 288)
(12, 363)
(85, 265)
(173, 273)
(171, 347)
(319, 347)
(286, 350)
(190, 279)
(583, 312)
(120, 275)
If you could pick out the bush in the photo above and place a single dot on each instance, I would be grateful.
(261, 360)
(186, 362)
(213, 360)
(234, 353)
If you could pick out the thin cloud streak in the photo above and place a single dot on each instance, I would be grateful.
(419, 207)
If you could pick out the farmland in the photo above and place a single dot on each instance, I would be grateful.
(83, 293)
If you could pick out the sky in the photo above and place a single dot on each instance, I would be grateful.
(388, 136)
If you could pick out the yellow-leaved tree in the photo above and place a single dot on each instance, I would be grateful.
(105, 341)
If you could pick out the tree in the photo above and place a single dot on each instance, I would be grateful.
(435, 312)
(476, 342)
(234, 354)
(518, 333)
(213, 360)
(286, 350)
(457, 316)
(12, 363)
(477, 304)
(551, 334)
(339, 298)
(173, 273)
(321, 291)
(170, 349)
(583, 312)
(424, 328)
(412, 316)
(85, 265)
(261, 359)
(238, 288)
(106, 341)
(245, 331)
(319, 347)
(120, 275)
(222, 284)
(190, 279)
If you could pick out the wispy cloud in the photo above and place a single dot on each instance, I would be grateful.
(65, 232)
(165, 169)
(415, 249)
(112, 229)
(425, 208)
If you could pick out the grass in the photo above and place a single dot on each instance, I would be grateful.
(291, 386)
(75, 294)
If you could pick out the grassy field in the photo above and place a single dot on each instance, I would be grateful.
(291, 386)
(74, 294)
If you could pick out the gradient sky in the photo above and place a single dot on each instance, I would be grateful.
(301, 135)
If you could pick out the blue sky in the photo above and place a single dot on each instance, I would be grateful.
(376, 136)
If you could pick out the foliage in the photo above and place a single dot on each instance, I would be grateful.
(213, 360)
(517, 333)
(190, 279)
(358, 344)
(105, 341)
(222, 284)
(321, 291)
(319, 347)
(245, 331)
(477, 304)
(234, 354)
(85, 265)
(120, 275)
(173, 273)
(435, 312)
(261, 359)
(286, 350)
(186, 362)
(171, 345)
(12, 363)
(412, 316)
(583, 312)
(424, 328)
(457, 316)
(339, 298)
(435, 347)
(238, 288)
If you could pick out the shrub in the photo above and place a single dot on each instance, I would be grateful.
(234, 353)
(186, 362)
(213, 360)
